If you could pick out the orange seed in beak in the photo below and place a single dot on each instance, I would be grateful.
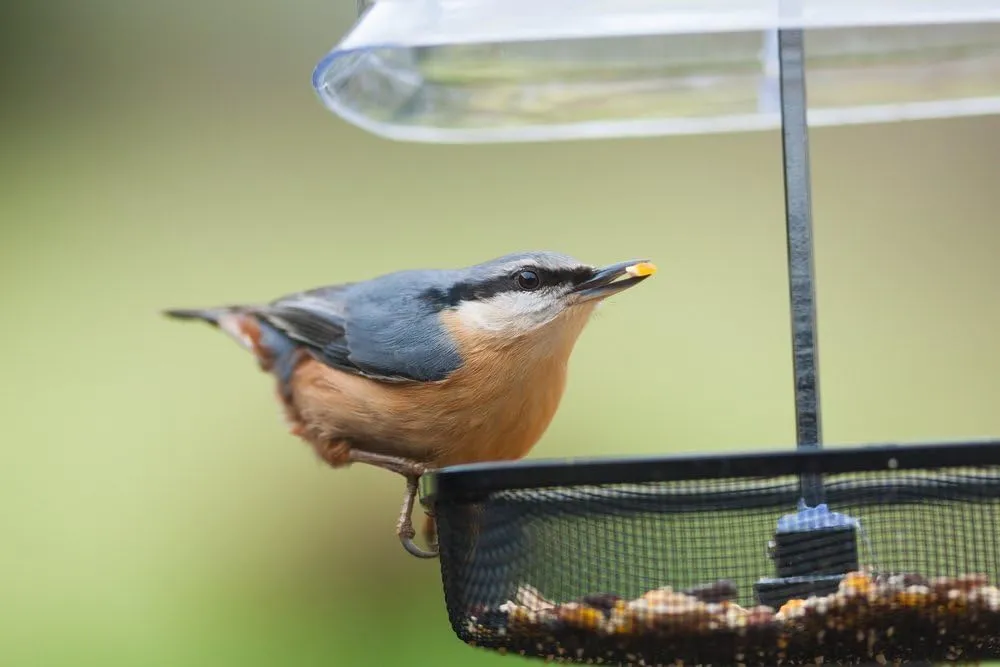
(641, 269)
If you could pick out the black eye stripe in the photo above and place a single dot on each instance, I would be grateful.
(553, 277)
(574, 276)
(481, 290)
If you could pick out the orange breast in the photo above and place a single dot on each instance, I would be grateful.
(496, 407)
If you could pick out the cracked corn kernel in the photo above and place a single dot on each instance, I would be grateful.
(520, 615)
(582, 617)
(787, 608)
(855, 583)
(622, 620)
(914, 596)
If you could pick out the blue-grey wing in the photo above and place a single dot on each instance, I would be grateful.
(374, 332)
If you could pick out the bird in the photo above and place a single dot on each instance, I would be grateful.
(422, 369)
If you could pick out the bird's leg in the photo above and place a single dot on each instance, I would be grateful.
(404, 527)
(412, 471)
(338, 453)
(397, 464)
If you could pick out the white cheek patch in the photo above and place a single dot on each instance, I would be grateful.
(514, 312)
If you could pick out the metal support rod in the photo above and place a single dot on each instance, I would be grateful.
(798, 217)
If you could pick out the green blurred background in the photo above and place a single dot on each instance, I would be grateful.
(154, 511)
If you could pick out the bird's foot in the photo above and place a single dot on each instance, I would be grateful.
(404, 527)
(339, 453)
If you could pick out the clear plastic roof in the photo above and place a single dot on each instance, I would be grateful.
(529, 70)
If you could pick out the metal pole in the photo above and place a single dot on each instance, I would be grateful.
(801, 271)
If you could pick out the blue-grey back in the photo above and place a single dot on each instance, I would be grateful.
(392, 323)
(383, 328)
(390, 327)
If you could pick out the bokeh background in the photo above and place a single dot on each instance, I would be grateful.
(153, 509)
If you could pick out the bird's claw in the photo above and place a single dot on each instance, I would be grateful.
(404, 528)
(411, 470)
(412, 548)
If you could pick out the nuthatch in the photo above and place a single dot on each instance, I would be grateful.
(424, 369)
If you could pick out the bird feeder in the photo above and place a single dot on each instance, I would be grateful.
(872, 554)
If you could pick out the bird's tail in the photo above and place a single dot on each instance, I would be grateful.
(272, 348)
(210, 315)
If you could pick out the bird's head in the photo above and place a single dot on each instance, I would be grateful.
(520, 293)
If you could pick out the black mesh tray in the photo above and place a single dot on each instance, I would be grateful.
(681, 561)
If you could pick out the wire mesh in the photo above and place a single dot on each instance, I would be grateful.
(897, 566)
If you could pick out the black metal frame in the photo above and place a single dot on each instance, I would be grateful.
(473, 482)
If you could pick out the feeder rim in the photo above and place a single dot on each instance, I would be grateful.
(472, 482)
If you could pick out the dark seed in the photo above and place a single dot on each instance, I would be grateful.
(602, 601)
(714, 592)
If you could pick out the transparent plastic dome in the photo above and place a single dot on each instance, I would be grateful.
(528, 70)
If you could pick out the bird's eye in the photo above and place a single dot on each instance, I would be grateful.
(527, 280)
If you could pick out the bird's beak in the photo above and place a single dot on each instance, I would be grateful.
(605, 281)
